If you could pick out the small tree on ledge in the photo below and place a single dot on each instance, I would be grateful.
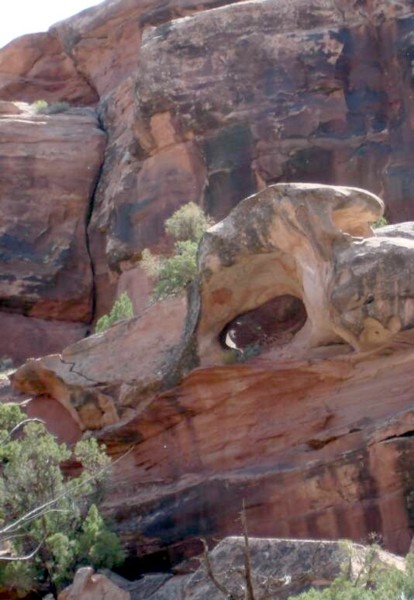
(172, 275)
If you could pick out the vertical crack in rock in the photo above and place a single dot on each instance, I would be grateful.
(88, 218)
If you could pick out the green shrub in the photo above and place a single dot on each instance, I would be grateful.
(381, 222)
(374, 581)
(122, 309)
(188, 223)
(55, 108)
(42, 512)
(172, 275)
(39, 105)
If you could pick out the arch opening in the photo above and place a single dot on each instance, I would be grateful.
(274, 323)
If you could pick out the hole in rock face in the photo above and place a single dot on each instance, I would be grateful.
(272, 323)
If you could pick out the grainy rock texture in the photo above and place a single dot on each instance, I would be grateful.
(88, 585)
(49, 167)
(314, 433)
(212, 100)
(280, 568)
(110, 376)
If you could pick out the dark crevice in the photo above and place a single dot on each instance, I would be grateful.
(274, 323)
(134, 567)
(316, 444)
(407, 434)
(88, 218)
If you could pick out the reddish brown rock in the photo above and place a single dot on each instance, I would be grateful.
(49, 167)
(28, 337)
(108, 377)
(315, 433)
(257, 93)
(211, 101)
(104, 41)
(35, 67)
(320, 448)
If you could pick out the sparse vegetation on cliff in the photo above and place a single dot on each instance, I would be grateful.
(373, 581)
(381, 222)
(171, 275)
(122, 309)
(42, 107)
(49, 523)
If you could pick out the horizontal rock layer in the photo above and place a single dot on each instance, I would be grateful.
(314, 434)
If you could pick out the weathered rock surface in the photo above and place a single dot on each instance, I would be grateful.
(88, 585)
(227, 101)
(35, 67)
(280, 569)
(315, 433)
(212, 107)
(49, 167)
(210, 101)
(107, 377)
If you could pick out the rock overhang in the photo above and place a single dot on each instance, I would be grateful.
(292, 270)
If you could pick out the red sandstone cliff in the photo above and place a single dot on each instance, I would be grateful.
(207, 101)
(314, 434)
(211, 102)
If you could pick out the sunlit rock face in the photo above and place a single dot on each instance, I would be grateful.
(227, 101)
(213, 100)
(313, 430)
(49, 167)
(282, 247)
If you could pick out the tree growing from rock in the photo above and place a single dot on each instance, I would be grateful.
(122, 309)
(171, 275)
(49, 524)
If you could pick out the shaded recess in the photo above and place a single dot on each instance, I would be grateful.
(273, 323)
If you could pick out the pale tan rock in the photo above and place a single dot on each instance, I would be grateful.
(88, 585)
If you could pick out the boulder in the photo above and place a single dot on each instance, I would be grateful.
(108, 377)
(88, 585)
(280, 569)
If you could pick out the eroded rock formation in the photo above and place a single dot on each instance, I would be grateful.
(280, 569)
(314, 433)
(214, 100)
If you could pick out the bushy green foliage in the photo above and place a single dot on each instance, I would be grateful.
(42, 107)
(42, 512)
(122, 309)
(39, 105)
(188, 223)
(173, 274)
(373, 582)
(381, 222)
